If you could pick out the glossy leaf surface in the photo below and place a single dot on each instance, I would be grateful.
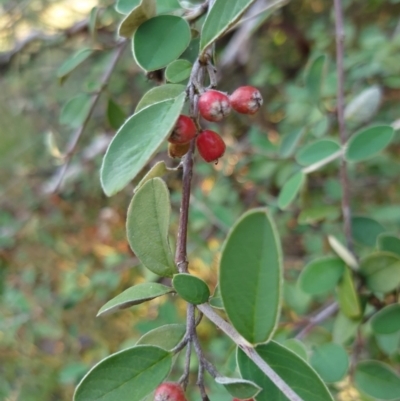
(133, 296)
(136, 141)
(250, 276)
(147, 227)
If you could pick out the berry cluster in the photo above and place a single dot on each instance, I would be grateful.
(169, 391)
(213, 106)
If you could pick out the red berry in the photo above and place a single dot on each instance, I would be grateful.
(210, 145)
(176, 150)
(246, 100)
(184, 131)
(214, 105)
(169, 391)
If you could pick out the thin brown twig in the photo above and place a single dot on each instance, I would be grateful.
(344, 178)
(72, 145)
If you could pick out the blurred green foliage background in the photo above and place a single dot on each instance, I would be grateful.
(64, 254)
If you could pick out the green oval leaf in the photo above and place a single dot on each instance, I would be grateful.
(347, 296)
(289, 142)
(297, 347)
(239, 388)
(125, 6)
(130, 374)
(388, 343)
(389, 243)
(315, 76)
(387, 320)
(72, 63)
(377, 380)
(141, 13)
(364, 106)
(158, 170)
(136, 141)
(250, 276)
(159, 41)
(381, 271)
(321, 275)
(158, 94)
(330, 361)
(222, 16)
(178, 71)
(116, 116)
(318, 213)
(366, 230)
(147, 227)
(296, 373)
(290, 190)
(344, 328)
(165, 337)
(133, 296)
(316, 151)
(76, 110)
(191, 288)
(368, 142)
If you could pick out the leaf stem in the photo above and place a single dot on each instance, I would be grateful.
(344, 178)
(72, 145)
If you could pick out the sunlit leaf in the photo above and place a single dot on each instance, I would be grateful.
(250, 276)
(347, 296)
